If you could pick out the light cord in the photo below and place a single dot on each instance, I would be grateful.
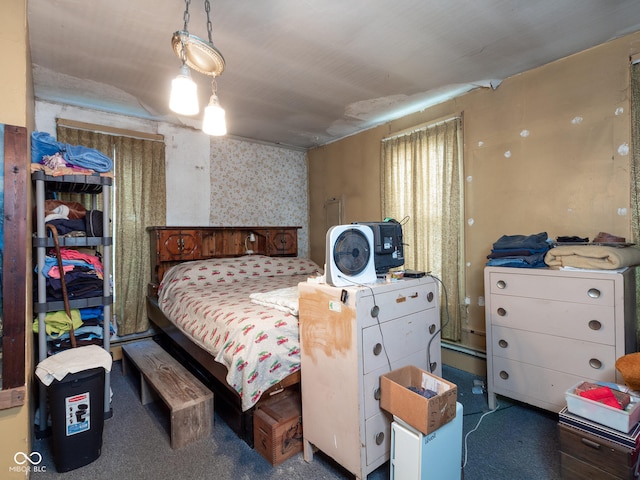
(464, 464)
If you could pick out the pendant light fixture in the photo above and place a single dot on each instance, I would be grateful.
(214, 122)
(199, 55)
(184, 93)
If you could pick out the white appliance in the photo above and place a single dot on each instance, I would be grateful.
(350, 256)
(437, 456)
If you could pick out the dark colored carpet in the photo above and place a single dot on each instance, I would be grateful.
(515, 442)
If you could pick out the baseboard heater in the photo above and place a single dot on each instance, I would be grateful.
(463, 349)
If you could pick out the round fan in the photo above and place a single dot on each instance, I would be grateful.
(350, 255)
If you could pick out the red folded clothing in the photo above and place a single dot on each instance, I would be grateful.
(602, 395)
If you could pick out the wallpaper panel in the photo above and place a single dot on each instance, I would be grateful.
(254, 184)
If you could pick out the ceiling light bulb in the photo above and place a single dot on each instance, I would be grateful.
(214, 122)
(184, 94)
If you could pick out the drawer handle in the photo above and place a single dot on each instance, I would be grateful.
(502, 312)
(501, 284)
(415, 295)
(595, 363)
(504, 375)
(379, 438)
(430, 297)
(590, 443)
(594, 293)
(503, 343)
(432, 329)
(377, 349)
(376, 393)
(401, 299)
(595, 325)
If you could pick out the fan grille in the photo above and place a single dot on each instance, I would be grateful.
(351, 252)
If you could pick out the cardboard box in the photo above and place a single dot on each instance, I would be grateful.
(424, 414)
(621, 420)
(277, 429)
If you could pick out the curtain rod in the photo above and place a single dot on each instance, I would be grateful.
(422, 126)
(63, 122)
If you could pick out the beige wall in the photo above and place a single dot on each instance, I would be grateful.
(14, 86)
(16, 108)
(545, 151)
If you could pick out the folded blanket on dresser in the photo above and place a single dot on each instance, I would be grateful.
(597, 257)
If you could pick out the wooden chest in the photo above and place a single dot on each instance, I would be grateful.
(277, 429)
(583, 455)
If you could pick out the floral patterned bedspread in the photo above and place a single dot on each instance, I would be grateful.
(208, 300)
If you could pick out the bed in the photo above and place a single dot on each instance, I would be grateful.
(246, 350)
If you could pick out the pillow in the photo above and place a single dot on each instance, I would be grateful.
(263, 266)
(235, 269)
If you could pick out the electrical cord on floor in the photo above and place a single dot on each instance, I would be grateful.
(464, 464)
(470, 414)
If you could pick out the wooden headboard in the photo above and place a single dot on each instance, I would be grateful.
(172, 245)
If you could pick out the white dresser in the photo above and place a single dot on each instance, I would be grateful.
(345, 348)
(549, 329)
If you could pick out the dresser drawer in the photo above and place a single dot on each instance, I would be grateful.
(391, 341)
(588, 453)
(397, 302)
(592, 291)
(592, 323)
(378, 437)
(573, 469)
(531, 384)
(590, 360)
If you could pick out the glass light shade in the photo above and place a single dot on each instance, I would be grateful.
(184, 94)
(214, 122)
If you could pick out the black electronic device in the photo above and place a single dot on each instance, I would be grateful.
(414, 274)
(387, 244)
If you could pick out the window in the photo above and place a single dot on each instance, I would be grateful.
(139, 202)
(422, 188)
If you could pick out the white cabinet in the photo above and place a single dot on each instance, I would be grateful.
(349, 337)
(549, 329)
(436, 456)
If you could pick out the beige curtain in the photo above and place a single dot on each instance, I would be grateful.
(421, 183)
(139, 202)
(635, 169)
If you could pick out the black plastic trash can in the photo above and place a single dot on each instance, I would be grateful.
(76, 405)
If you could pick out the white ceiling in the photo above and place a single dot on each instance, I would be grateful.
(303, 73)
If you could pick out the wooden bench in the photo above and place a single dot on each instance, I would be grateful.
(163, 377)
